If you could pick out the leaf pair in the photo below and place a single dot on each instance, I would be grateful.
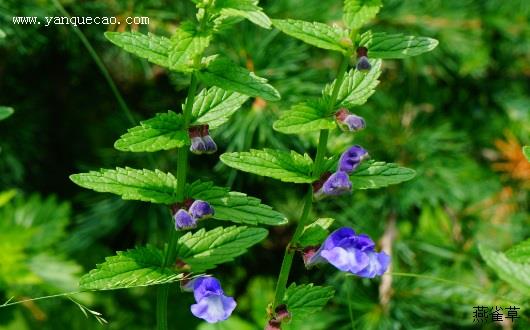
(201, 251)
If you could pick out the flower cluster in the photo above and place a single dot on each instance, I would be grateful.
(212, 305)
(201, 141)
(349, 253)
(339, 182)
(187, 214)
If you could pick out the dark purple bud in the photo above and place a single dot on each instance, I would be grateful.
(274, 325)
(200, 210)
(337, 184)
(362, 59)
(348, 121)
(282, 314)
(183, 220)
(198, 146)
(209, 144)
(351, 158)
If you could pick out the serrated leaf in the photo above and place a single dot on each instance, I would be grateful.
(235, 206)
(302, 300)
(278, 164)
(204, 250)
(520, 252)
(359, 12)
(186, 44)
(143, 185)
(304, 118)
(153, 48)
(516, 274)
(526, 152)
(5, 112)
(315, 233)
(247, 9)
(214, 106)
(314, 33)
(385, 46)
(163, 132)
(372, 175)
(137, 267)
(356, 87)
(225, 74)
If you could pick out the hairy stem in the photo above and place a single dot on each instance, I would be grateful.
(182, 167)
(287, 262)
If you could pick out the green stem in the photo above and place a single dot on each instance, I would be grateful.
(287, 262)
(182, 167)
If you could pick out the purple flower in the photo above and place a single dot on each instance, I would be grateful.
(198, 146)
(212, 304)
(183, 220)
(348, 121)
(351, 158)
(363, 64)
(210, 145)
(200, 210)
(351, 253)
(201, 141)
(336, 184)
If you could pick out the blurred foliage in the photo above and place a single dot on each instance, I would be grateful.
(459, 116)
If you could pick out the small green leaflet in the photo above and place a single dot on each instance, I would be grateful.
(149, 46)
(204, 250)
(372, 175)
(143, 185)
(516, 274)
(278, 164)
(315, 233)
(234, 206)
(304, 118)
(359, 12)
(526, 152)
(386, 46)
(223, 73)
(247, 9)
(186, 45)
(137, 267)
(163, 132)
(520, 252)
(5, 112)
(316, 34)
(306, 299)
(214, 106)
(356, 87)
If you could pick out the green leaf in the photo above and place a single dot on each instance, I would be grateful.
(372, 175)
(302, 300)
(137, 267)
(235, 206)
(204, 250)
(384, 45)
(304, 118)
(520, 252)
(143, 185)
(149, 46)
(186, 45)
(526, 152)
(5, 112)
(315, 233)
(359, 12)
(223, 73)
(356, 87)
(163, 132)
(278, 164)
(247, 9)
(214, 106)
(317, 34)
(516, 274)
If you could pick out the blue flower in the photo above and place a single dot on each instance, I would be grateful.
(348, 121)
(200, 210)
(183, 220)
(336, 184)
(351, 158)
(352, 253)
(212, 305)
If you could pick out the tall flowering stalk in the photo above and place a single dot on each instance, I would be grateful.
(186, 257)
(331, 176)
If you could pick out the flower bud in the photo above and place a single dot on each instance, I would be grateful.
(351, 158)
(336, 184)
(198, 146)
(274, 325)
(282, 314)
(348, 121)
(362, 63)
(183, 220)
(200, 210)
(209, 144)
